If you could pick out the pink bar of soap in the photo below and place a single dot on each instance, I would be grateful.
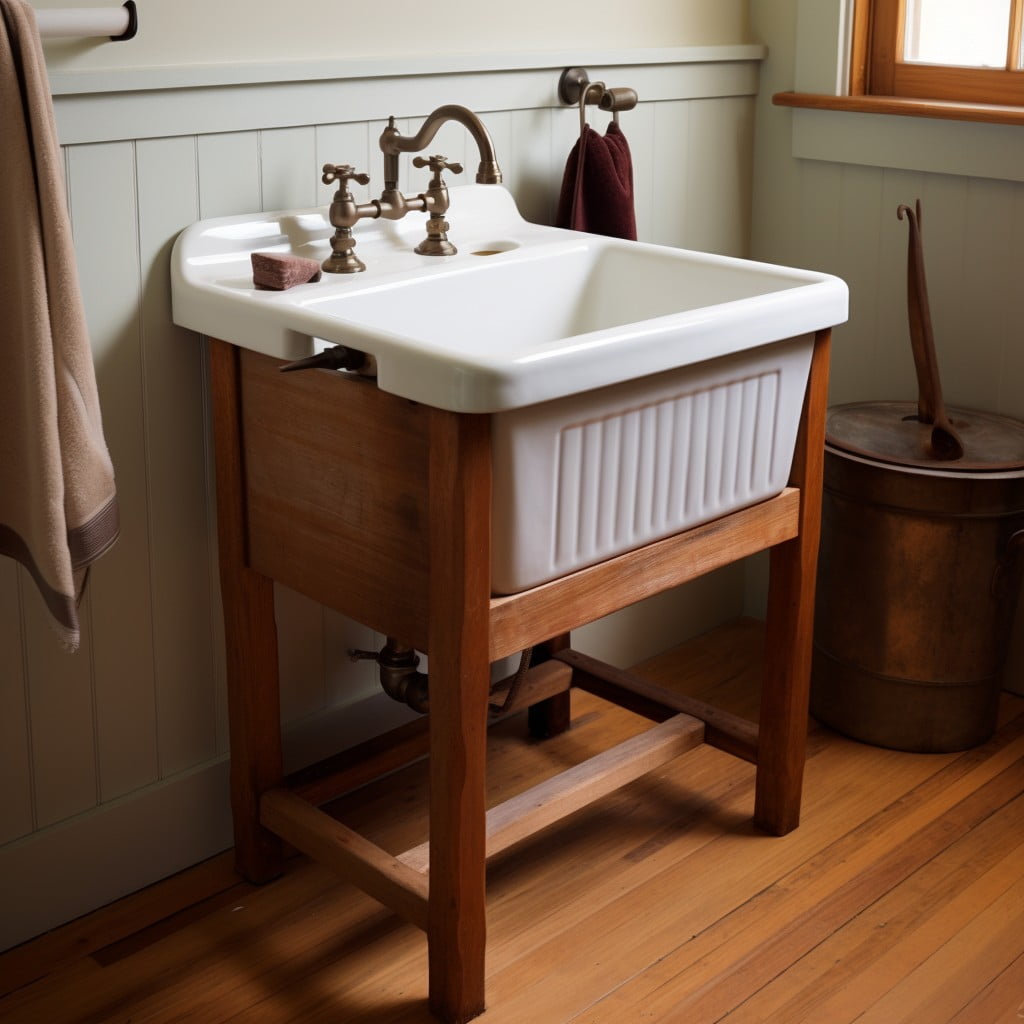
(277, 271)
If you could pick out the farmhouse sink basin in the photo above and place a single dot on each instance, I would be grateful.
(522, 314)
(635, 390)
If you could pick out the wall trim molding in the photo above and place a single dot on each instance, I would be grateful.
(191, 76)
(129, 105)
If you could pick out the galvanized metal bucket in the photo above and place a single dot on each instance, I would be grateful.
(919, 572)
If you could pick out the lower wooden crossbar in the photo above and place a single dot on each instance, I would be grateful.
(339, 774)
(575, 788)
(347, 853)
(726, 731)
(401, 882)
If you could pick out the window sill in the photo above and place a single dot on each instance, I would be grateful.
(945, 110)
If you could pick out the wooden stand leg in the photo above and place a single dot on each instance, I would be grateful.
(789, 630)
(550, 717)
(254, 717)
(459, 681)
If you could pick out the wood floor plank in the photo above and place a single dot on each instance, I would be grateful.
(792, 940)
(948, 979)
(228, 950)
(999, 1002)
(26, 963)
(615, 944)
(859, 962)
(900, 897)
(705, 978)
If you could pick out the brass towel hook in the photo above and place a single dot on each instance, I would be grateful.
(574, 86)
(585, 95)
(618, 99)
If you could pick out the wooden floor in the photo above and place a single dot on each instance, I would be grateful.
(899, 899)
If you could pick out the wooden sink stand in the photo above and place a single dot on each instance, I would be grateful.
(381, 508)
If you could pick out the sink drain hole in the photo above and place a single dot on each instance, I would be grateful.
(494, 248)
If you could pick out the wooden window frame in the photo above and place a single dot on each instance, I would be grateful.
(878, 69)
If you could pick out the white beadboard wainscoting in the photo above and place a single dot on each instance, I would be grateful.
(114, 759)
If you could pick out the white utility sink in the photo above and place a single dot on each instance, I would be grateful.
(547, 313)
(637, 390)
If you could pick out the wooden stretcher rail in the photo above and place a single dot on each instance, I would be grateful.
(572, 601)
(575, 788)
(725, 731)
(347, 853)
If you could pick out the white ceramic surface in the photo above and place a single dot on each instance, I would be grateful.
(590, 476)
(546, 314)
(636, 390)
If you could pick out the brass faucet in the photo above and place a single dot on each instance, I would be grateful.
(345, 212)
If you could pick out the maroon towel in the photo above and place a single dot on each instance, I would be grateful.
(597, 189)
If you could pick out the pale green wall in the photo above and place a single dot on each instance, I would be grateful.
(177, 32)
(840, 216)
(838, 213)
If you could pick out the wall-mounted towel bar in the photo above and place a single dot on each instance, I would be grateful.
(119, 23)
(575, 86)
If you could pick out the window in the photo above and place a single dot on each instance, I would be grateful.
(957, 50)
(843, 125)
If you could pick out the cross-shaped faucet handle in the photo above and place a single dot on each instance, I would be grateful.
(343, 174)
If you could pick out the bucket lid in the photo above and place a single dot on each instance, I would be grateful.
(892, 432)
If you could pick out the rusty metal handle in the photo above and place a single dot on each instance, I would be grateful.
(931, 408)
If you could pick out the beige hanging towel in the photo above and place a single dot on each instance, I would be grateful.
(58, 506)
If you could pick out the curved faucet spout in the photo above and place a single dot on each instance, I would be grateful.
(392, 142)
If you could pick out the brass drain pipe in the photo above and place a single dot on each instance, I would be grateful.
(399, 678)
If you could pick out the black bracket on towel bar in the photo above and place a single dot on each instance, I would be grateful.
(133, 23)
